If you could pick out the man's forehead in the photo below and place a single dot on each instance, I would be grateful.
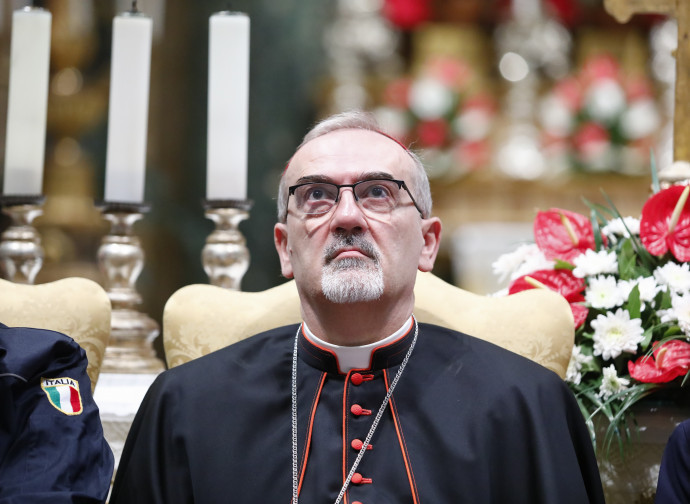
(350, 150)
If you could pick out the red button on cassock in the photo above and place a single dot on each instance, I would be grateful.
(358, 479)
(356, 379)
(358, 443)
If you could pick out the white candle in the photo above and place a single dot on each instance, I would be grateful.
(128, 110)
(27, 102)
(228, 106)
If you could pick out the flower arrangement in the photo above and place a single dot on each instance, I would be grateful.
(443, 112)
(600, 119)
(628, 284)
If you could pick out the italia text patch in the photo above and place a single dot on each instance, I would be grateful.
(63, 394)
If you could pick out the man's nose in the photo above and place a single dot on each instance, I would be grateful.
(347, 213)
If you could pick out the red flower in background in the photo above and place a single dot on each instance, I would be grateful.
(667, 362)
(561, 281)
(603, 66)
(562, 234)
(397, 92)
(432, 133)
(407, 14)
(665, 223)
(591, 136)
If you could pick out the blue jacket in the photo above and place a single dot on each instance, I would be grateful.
(674, 475)
(52, 448)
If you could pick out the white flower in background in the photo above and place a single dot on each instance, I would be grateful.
(605, 100)
(473, 124)
(526, 259)
(647, 286)
(675, 276)
(392, 120)
(679, 312)
(641, 119)
(556, 116)
(615, 333)
(611, 384)
(603, 293)
(577, 359)
(617, 227)
(430, 99)
(595, 263)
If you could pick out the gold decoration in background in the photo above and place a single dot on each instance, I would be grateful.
(623, 10)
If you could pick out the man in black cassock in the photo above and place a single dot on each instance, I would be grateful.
(359, 404)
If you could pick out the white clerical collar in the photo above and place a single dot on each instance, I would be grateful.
(355, 357)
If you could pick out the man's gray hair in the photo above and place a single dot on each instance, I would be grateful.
(357, 119)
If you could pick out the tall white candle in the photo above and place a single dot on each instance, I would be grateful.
(27, 102)
(228, 106)
(128, 110)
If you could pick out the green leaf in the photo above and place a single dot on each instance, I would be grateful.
(634, 303)
(647, 338)
(656, 187)
(627, 261)
(596, 230)
(561, 264)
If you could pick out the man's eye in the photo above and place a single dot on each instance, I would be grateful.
(377, 191)
(316, 193)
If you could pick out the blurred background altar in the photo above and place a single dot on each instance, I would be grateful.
(514, 105)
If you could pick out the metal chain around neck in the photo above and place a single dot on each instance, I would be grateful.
(377, 418)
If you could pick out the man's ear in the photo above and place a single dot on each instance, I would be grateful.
(431, 232)
(280, 238)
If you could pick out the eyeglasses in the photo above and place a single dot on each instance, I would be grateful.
(375, 195)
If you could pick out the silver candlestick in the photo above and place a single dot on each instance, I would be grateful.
(225, 256)
(121, 259)
(21, 253)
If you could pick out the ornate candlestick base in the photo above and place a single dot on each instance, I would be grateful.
(225, 256)
(21, 253)
(121, 259)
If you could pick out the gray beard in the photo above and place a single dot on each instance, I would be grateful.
(352, 280)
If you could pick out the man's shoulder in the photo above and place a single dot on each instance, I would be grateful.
(262, 351)
(485, 355)
(28, 352)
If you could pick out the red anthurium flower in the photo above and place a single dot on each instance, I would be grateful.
(562, 234)
(667, 362)
(561, 281)
(665, 223)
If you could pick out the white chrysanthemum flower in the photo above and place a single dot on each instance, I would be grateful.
(577, 359)
(647, 286)
(595, 263)
(603, 293)
(675, 276)
(615, 333)
(679, 312)
(430, 99)
(526, 259)
(617, 227)
(611, 383)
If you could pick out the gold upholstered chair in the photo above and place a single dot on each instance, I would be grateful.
(537, 323)
(77, 307)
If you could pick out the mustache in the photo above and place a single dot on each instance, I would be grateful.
(342, 241)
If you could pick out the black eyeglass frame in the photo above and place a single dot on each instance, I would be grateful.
(401, 185)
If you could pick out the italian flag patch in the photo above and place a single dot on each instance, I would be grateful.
(63, 394)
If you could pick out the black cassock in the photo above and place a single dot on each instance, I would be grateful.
(469, 422)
